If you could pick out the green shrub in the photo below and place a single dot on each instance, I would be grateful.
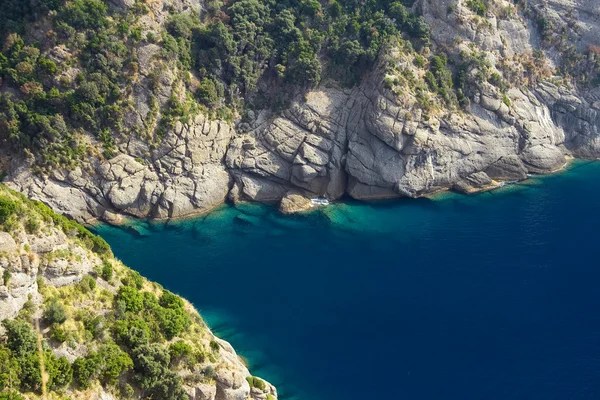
(431, 81)
(6, 275)
(151, 363)
(107, 271)
(180, 349)
(7, 208)
(496, 80)
(419, 61)
(86, 369)
(207, 92)
(31, 378)
(135, 34)
(27, 311)
(388, 82)
(133, 279)
(21, 340)
(54, 312)
(150, 301)
(127, 391)
(182, 25)
(334, 9)
(209, 372)
(545, 27)
(256, 382)
(41, 282)
(114, 362)
(131, 332)
(132, 298)
(172, 321)
(94, 324)
(57, 333)
(11, 395)
(59, 371)
(10, 371)
(170, 300)
(32, 225)
(87, 284)
(47, 66)
(99, 245)
(85, 14)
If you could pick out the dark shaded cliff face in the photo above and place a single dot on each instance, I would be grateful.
(489, 94)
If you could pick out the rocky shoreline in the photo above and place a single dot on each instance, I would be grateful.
(381, 139)
(291, 158)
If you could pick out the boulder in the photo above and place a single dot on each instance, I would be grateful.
(204, 391)
(474, 183)
(7, 243)
(543, 158)
(294, 202)
(112, 218)
(508, 168)
(231, 385)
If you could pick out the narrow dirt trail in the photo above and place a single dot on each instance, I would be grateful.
(42, 361)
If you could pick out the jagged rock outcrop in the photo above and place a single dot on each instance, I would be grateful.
(303, 148)
(183, 176)
(388, 147)
(381, 139)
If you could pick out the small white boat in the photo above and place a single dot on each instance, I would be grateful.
(320, 201)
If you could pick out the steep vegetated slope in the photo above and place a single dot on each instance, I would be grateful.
(96, 328)
(166, 108)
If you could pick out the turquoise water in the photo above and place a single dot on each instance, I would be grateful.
(492, 296)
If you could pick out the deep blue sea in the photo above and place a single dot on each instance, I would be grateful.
(491, 296)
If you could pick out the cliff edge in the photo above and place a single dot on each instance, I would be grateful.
(493, 92)
(105, 332)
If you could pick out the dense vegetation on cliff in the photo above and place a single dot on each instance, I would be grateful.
(110, 328)
(67, 68)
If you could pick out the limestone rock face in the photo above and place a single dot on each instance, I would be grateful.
(302, 148)
(204, 392)
(579, 19)
(62, 268)
(390, 148)
(369, 142)
(7, 243)
(183, 176)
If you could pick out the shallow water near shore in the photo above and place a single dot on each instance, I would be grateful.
(489, 296)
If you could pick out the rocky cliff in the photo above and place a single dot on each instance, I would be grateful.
(45, 260)
(396, 134)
